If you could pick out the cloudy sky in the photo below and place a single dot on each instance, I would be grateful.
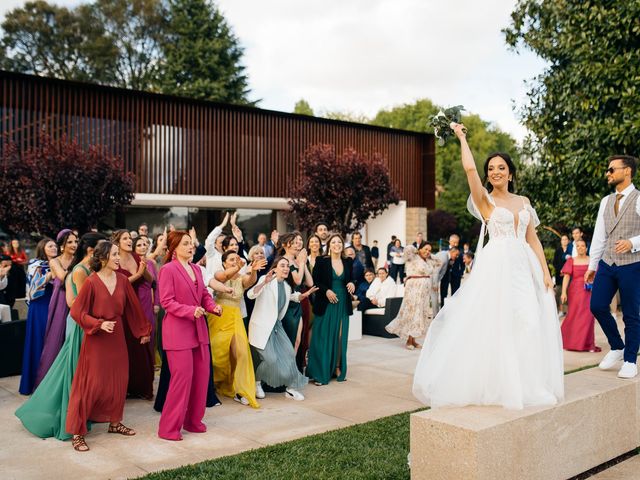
(364, 55)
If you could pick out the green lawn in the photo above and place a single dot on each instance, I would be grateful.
(372, 450)
(376, 449)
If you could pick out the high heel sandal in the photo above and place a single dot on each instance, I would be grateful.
(78, 443)
(121, 429)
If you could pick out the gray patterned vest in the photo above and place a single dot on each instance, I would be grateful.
(622, 227)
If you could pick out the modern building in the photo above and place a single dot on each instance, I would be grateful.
(194, 159)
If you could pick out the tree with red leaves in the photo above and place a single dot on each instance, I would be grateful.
(58, 184)
(342, 190)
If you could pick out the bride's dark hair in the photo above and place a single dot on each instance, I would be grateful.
(512, 171)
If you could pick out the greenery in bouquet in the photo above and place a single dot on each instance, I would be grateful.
(441, 123)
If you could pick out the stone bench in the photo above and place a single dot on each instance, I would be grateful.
(599, 420)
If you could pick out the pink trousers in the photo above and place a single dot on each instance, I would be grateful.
(187, 396)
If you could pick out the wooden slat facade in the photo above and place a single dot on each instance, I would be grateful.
(182, 146)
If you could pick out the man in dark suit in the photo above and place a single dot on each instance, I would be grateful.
(576, 234)
(363, 252)
(450, 273)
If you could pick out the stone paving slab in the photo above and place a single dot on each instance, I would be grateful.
(379, 382)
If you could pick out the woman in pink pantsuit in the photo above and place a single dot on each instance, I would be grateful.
(185, 338)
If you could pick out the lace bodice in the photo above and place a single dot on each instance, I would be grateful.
(502, 223)
(231, 299)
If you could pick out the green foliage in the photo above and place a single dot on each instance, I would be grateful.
(584, 107)
(181, 47)
(202, 55)
(373, 450)
(346, 116)
(44, 39)
(302, 107)
(483, 138)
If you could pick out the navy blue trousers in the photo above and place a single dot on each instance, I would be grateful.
(609, 279)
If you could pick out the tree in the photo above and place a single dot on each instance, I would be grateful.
(135, 30)
(584, 107)
(440, 224)
(342, 190)
(202, 55)
(61, 185)
(48, 40)
(483, 138)
(302, 107)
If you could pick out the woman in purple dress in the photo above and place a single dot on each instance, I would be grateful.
(577, 327)
(58, 308)
(148, 289)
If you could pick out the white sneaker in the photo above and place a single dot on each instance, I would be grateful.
(293, 394)
(611, 358)
(628, 370)
(240, 399)
(259, 390)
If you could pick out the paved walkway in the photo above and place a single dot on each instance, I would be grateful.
(379, 384)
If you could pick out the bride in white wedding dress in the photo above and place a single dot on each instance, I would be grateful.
(497, 340)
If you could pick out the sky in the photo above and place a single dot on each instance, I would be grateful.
(360, 56)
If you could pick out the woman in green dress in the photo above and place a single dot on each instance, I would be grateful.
(45, 413)
(332, 308)
(292, 249)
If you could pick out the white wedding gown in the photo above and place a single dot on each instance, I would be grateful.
(497, 340)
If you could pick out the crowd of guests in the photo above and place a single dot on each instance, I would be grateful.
(218, 318)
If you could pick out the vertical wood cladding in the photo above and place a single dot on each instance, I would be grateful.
(182, 146)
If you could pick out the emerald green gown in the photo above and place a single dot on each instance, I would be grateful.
(293, 315)
(45, 413)
(329, 337)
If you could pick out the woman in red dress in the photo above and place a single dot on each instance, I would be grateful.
(577, 328)
(185, 338)
(141, 358)
(105, 305)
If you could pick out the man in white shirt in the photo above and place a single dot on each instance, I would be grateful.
(577, 234)
(381, 288)
(615, 254)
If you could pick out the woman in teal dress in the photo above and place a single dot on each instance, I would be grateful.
(45, 413)
(292, 249)
(332, 308)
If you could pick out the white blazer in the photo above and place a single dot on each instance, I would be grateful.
(265, 311)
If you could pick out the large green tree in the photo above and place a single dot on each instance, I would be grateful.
(44, 39)
(584, 107)
(451, 181)
(202, 56)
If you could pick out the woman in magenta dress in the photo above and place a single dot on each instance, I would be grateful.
(148, 289)
(141, 361)
(577, 328)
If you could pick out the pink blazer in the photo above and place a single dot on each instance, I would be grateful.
(179, 296)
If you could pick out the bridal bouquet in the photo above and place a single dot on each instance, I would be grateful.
(441, 123)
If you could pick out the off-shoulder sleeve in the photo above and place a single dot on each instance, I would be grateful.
(567, 269)
(82, 306)
(133, 313)
(534, 216)
(473, 209)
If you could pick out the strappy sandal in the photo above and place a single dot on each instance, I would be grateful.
(78, 443)
(121, 429)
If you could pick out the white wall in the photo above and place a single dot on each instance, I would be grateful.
(393, 221)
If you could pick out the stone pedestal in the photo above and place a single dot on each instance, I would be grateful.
(355, 325)
(597, 422)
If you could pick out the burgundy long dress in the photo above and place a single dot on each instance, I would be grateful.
(578, 326)
(99, 386)
(141, 361)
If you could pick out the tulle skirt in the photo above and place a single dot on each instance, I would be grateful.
(497, 340)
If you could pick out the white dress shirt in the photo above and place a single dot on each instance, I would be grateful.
(381, 290)
(600, 235)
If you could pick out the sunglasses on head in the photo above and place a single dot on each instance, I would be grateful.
(610, 170)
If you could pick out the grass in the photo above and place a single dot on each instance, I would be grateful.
(372, 450)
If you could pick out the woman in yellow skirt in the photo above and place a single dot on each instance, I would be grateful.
(233, 372)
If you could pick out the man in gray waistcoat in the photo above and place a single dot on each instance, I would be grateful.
(615, 255)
